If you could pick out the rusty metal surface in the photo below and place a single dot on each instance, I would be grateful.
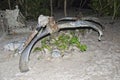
(52, 26)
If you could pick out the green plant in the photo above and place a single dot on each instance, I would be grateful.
(116, 6)
(82, 47)
(62, 42)
(33, 8)
(37, 7)
(75, 41)
(37, 49)
(106, 7)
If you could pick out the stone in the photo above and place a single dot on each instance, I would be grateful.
(56, 53)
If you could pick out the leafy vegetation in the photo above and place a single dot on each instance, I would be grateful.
(33, 8)
(62, 42)
(106, 7)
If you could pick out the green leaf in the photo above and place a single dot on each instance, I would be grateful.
(82, 47)
(37, 49)
(74, 40)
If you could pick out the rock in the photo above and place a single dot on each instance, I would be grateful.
(11, 46)
(56, 53)
(14, 45)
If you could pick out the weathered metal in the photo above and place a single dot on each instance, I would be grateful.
(47, 25)
(93, 20)
(26, 52)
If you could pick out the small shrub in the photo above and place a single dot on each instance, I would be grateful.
(106, 7)
(62, 42)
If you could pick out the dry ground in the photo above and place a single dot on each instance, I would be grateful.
(101, 61)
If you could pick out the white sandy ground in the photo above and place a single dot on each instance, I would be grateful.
(101, 61)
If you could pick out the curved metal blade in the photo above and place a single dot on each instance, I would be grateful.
(81, 24)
